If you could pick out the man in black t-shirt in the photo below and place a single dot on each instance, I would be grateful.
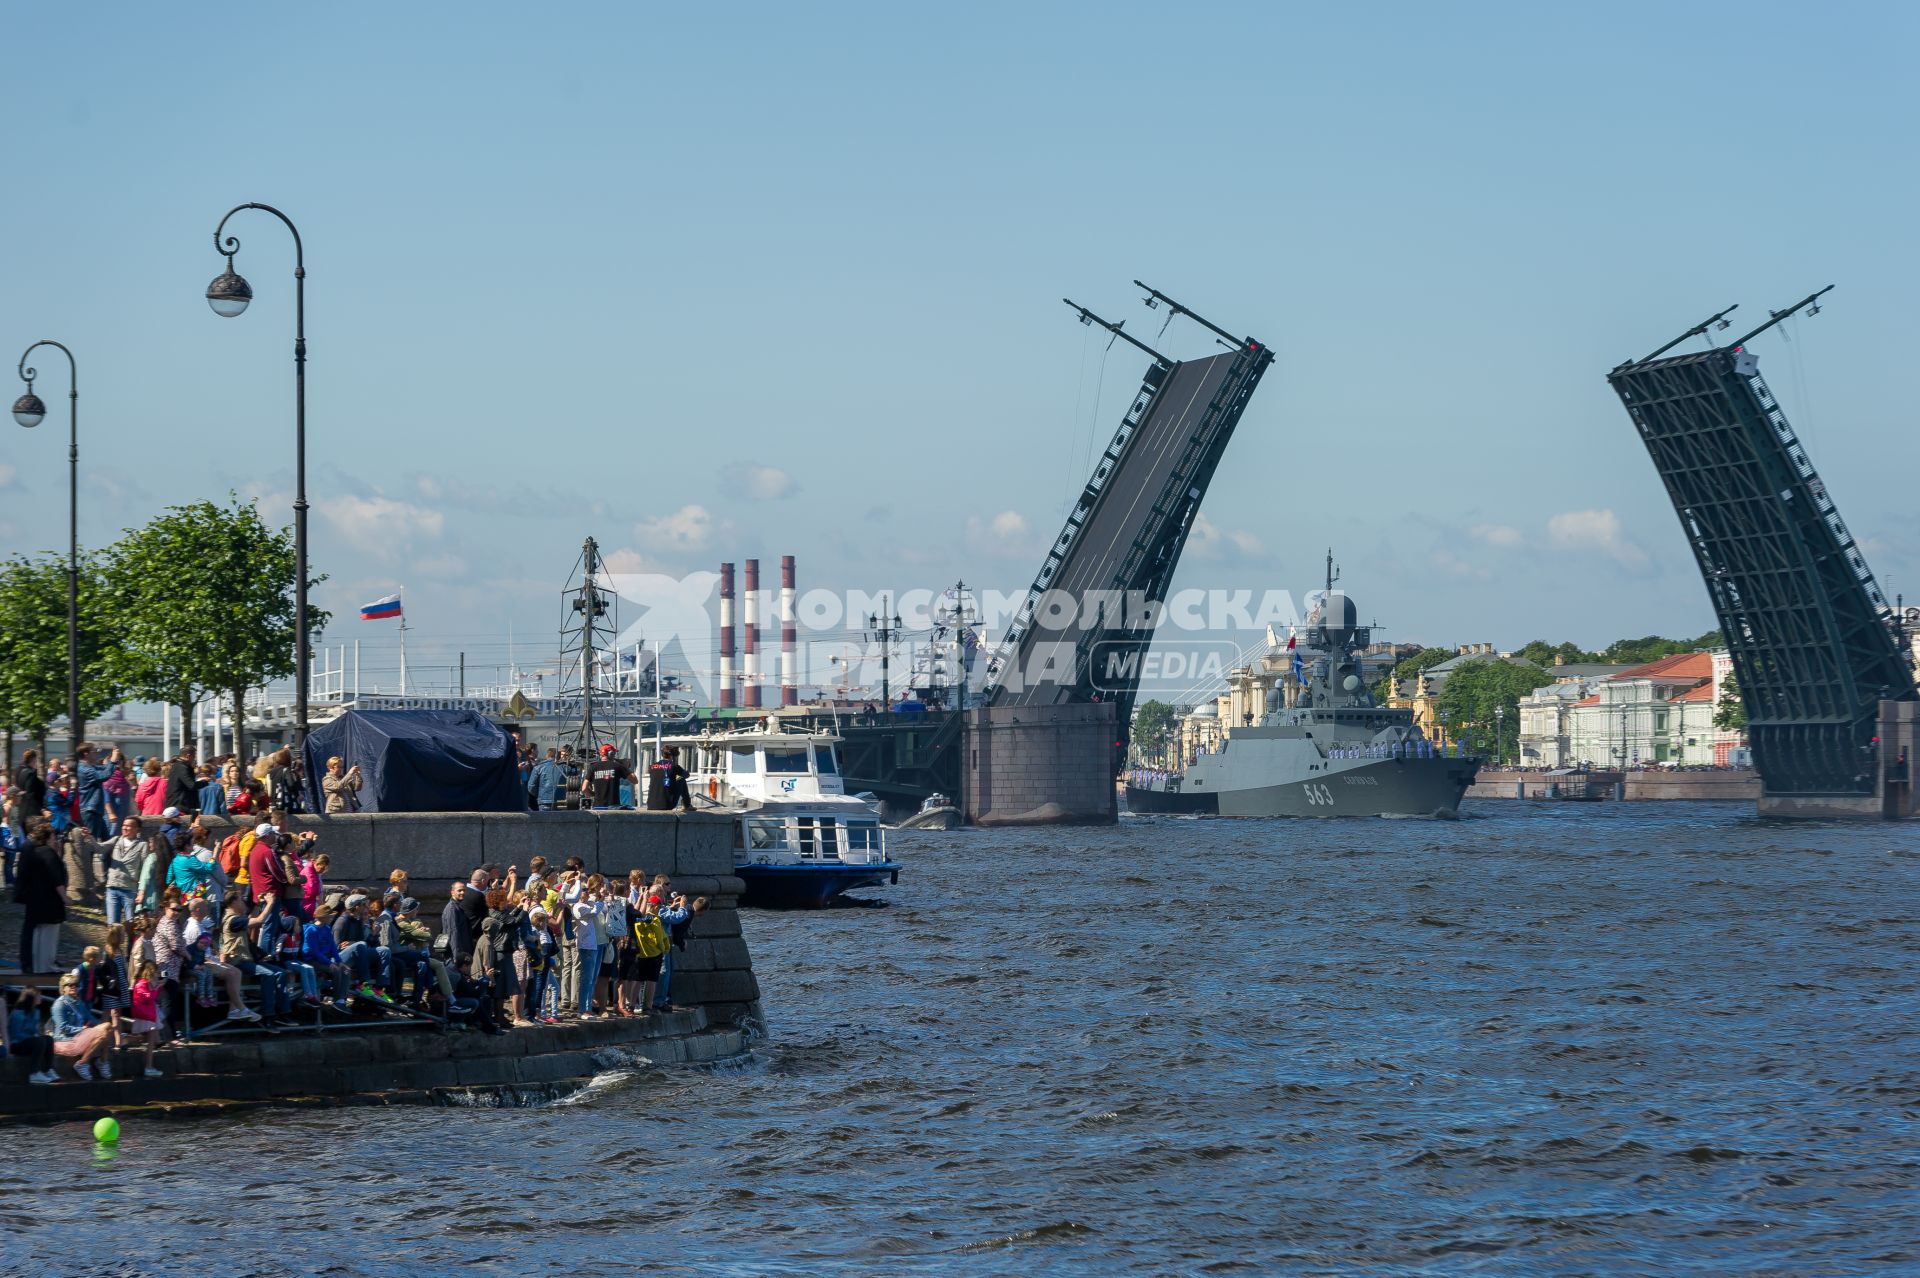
(667, 783)
(603, 778)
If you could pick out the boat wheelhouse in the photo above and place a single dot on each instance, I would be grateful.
(799, 839)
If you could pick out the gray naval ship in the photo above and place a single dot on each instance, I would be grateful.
(1335, 753)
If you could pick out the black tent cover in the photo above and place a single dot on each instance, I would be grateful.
(419, 761)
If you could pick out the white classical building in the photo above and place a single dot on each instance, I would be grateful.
(1660, 712)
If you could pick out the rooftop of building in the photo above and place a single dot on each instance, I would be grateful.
(1685, 667)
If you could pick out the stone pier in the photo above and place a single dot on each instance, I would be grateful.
(1041, 765)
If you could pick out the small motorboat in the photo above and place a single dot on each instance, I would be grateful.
(938, 812)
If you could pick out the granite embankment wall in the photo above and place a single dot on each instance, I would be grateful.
(393, 1065)
(714, 972)
(1735, 785)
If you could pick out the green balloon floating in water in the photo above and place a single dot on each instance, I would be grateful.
(107, 1131)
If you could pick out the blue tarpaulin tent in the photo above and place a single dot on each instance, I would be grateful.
(419, 761)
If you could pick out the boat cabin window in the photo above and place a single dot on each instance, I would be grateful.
(823, 755)
(786, 761)
(766, 835)
(740, 759)
(863, 836)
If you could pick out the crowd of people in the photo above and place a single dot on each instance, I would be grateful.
(211, 933)
(98, 789)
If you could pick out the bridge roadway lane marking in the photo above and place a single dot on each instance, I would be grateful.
(1170, 438)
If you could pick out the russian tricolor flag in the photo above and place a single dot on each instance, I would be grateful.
(381, 609)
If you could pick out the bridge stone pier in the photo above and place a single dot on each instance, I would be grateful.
(1041, 765)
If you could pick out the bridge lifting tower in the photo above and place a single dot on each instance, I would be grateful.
(1068, 668)
(1822, 661)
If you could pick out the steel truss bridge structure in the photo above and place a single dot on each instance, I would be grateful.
(1089, 615)
(1815, 647)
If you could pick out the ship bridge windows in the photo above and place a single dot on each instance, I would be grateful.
(823, 757)
(786, 762)
(740, 759)
(766, 834)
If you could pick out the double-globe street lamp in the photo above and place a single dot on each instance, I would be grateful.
(30, 410)
(228, 295)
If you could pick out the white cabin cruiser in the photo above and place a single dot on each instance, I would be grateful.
(799, 838)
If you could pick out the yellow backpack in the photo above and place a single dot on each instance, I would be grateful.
(650, 937)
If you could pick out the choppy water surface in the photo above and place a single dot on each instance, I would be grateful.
(1637, 1039)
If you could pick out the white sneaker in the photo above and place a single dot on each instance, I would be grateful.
(151, 1072)
(244, 1014)
(44, 1076)
(84, 1072)
(103, 1067)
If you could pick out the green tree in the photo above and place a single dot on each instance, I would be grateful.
(1542, 654)
(1730, 714)
(1153, 723)
(1425, 659)
(1653, 648)
(1482, 697)
(33, 644)
(204, 599)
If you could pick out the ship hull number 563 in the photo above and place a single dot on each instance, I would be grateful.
(1318, 795)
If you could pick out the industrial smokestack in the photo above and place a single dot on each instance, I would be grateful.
(789, 690)
(727, 690)
(751, 655)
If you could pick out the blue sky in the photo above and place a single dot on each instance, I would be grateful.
(709, 283)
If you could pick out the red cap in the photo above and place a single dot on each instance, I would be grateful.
(606, 750)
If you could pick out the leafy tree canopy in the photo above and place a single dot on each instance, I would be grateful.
(1653, 648)
(33, 643)
(1541, 653)
(1425, 659)
(1477, 689)
(203, 601)
(1730, 715)
(1152, 722)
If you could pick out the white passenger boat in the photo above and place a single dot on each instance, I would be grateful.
(799, 838)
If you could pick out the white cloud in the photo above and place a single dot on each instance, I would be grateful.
(1452, 565)
(762, 483)
(6, 475)
(1210, 541)
(629, 562)
(378, 525)
(688, 528)
(1007, 533)
(1501, 535)
(1599, 531)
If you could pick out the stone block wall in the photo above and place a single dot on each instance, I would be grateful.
(1041, 765)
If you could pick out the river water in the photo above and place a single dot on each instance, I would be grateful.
(1543, 1039)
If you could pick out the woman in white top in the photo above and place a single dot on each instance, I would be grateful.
(587, 910)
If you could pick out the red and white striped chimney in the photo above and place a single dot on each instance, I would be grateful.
(727, 691)
(750, 656)
(789, 690)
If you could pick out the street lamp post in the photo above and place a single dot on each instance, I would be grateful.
(228, 295)
(29, 410)
(1499, 734)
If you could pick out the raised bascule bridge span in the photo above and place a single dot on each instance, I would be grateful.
(1049, 739)
(1823, 663)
